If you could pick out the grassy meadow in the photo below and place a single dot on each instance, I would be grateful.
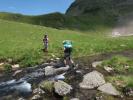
(23, 42)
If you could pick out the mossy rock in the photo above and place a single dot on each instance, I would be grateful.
(47, 86)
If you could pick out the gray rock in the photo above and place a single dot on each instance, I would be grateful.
(96, 63)
(21, 99)
(92, 80)
(108, 69)
(61, 70)
(49, 70)
(38, 91)
(17, 73)
(109, 89)
(36, 97)
(62, 88)
(79, 72)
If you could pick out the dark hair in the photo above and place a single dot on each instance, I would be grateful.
(45, 35)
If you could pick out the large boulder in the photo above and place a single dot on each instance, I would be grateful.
(109, 89)
(92, 80)
(62, 88)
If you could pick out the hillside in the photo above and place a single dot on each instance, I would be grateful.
(100, 7)
(60, 21)
(23, 42)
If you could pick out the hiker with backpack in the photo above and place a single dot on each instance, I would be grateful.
(45, 41)
(67, 52)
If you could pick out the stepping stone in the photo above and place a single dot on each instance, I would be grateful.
(92, 80)
(108, 88)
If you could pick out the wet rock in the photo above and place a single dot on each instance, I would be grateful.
(108, 69)
(96, 63)
(108, 88)
(47, 86)
(38, 91)
(21, 99)
(36, 97)
(17, 73)
(61, 70)
(49, 70)
(92, 80)
(128, 91)
(79, 72)
(62, 88)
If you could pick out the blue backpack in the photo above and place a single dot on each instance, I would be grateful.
(67, 44)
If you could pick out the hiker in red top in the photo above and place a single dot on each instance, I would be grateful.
(45, 41)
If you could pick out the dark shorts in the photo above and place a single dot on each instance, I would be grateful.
(67, 53)
(46, 45)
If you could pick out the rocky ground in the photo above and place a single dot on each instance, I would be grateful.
(52, 81)
(124, 26)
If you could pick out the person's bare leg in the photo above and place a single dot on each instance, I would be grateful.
(65, 62)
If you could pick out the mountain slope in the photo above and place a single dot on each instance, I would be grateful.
(99, 7)
(59, 21)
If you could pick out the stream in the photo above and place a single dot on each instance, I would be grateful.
(23, 85)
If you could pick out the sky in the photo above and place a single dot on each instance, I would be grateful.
(34, 7)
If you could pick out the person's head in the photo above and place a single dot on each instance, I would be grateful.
(45, 36)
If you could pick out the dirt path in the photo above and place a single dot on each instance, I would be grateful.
(87, 61)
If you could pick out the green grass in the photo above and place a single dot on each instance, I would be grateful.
(23, 42)
(122, 79)
(119, 63)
